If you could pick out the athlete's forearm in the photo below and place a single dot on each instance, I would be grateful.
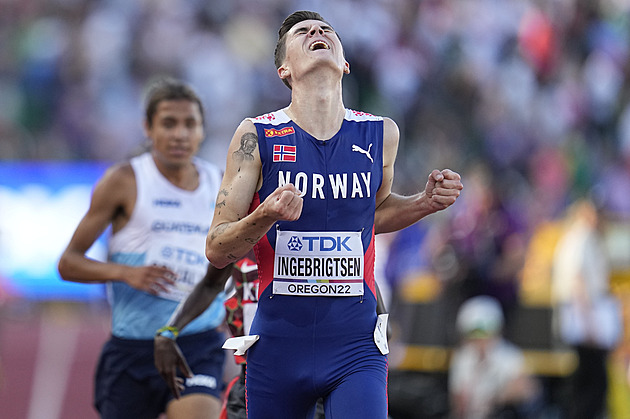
(397, 212)
(200, 297)
(230, 241)
(75, 267)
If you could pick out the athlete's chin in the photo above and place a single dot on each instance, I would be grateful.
(179, 155)
(318, 69)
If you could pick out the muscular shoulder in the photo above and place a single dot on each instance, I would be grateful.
(118, 182)
(246, 125)
(120, 174)
(244, 144)
(243, 160)
(114, 195)
(391, 135)
(391, 132)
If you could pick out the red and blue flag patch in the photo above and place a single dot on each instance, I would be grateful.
(284, 153)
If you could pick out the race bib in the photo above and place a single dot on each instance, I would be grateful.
(318, 263)
(190, 267)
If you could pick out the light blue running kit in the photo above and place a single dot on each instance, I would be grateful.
(168, 226)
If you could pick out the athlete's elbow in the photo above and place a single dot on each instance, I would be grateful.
(220, 263)
(65, 270)
(216, 258)
(61, 268)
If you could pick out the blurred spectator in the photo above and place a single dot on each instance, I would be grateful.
(487, 237)
(588, 316)
(488, 377)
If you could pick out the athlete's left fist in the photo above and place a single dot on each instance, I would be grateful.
(443, 188)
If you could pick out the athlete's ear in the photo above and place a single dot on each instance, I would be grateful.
(346, 68)
(283, 72)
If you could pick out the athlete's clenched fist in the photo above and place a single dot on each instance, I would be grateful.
(285, 203)
(443, 188)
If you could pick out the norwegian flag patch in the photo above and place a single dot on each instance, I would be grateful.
(286, 153)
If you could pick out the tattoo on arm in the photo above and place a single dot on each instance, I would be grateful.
(220, 229)
(222, 192)
(249, 141)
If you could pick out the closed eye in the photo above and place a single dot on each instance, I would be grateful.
(305, 29)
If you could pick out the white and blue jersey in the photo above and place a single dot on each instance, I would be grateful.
(317, 300)
(168, 226)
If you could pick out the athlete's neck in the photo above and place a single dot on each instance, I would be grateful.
(184, 176)
(318, 111)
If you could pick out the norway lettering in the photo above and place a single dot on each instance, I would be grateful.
(338, 185)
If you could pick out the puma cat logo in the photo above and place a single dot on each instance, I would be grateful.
(360, 150)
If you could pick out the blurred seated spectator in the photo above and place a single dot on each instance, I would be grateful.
(488, 377)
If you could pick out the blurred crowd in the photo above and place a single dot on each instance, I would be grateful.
(530, 96)
(528, 99)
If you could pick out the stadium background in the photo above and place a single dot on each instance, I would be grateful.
(527, 99)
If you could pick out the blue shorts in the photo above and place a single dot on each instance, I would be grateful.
(312, 348)
(127, 384)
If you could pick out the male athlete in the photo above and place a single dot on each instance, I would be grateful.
(309, 185)
(156, 205)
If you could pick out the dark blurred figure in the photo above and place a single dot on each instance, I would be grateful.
(587, 315)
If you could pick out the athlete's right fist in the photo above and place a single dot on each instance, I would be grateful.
(285, 203)
(152, 279)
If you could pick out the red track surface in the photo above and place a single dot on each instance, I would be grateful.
(75, 334)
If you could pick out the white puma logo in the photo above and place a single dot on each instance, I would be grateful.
(360, 150)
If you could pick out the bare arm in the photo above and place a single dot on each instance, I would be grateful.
(201, 296)
(233, 231)
(395, 212)
(167, 354)
(112, 201)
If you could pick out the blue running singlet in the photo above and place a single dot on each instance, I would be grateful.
(317, 302)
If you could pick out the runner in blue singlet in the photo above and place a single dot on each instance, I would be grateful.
(309, 186)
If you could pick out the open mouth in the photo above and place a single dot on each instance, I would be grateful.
(318, 45)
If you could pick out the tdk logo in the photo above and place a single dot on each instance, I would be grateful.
(183, 256)
(294, 244)
(321, 243)
(166, 203)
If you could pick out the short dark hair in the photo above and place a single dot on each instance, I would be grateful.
(291, 20)
(168, 88)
